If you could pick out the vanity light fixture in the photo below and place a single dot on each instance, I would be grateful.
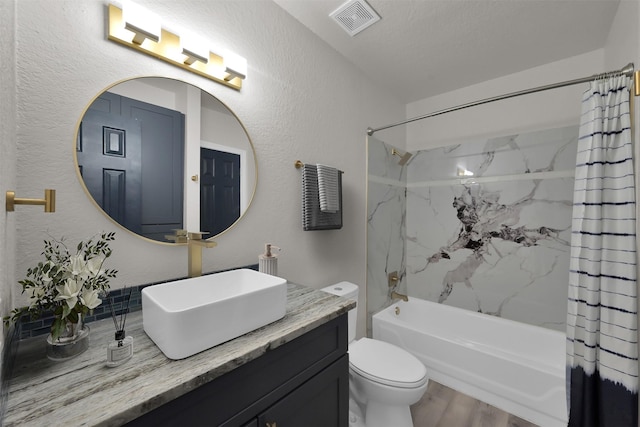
(143, 23)
(194, 49)
(234, 66)
(147, 34)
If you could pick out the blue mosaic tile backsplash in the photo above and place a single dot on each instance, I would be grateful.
(118, 297)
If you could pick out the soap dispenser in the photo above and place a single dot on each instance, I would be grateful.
(268, 262)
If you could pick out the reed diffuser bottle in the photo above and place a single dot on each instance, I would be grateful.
(121, 348)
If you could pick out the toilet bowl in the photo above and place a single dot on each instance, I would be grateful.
(384, 380)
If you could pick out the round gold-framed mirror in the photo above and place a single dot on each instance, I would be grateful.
(157, 155)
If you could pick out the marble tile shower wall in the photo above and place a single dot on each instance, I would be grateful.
(497, 241)
(386, 229)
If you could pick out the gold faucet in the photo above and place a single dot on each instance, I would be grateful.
(393, 281)
(396, 295)
(179, 237)
(194, 245)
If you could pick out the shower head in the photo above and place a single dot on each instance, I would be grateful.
(404, 158)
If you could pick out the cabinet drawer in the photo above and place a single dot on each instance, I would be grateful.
(320, 402)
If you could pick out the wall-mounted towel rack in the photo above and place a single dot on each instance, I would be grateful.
(321, 197)
(298, 164)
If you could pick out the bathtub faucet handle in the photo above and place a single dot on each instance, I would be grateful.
(393, 279)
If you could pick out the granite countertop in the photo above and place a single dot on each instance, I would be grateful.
(84, 391)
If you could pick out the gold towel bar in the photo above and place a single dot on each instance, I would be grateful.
(298, 164)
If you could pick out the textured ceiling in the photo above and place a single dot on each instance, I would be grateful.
(422, 48)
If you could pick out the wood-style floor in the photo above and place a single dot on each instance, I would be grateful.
(442, 406)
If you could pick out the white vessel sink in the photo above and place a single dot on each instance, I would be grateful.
(188, 316)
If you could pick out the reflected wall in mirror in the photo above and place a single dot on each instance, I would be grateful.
(157, 154)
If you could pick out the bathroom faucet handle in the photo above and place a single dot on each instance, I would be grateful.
(180, 236)
(195, 238)
(393, 279)
(196, 235)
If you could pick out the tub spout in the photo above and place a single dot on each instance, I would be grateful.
(396, 295)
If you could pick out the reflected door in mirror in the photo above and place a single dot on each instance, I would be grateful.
(130, 155)
(219, 190)
(156, 193)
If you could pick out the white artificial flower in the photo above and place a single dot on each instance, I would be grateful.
(69, 292)
(94, 265)
(77, 266)
(90, 298)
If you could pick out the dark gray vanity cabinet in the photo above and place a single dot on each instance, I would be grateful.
(304, 382)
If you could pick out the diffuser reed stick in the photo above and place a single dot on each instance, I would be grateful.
(120, 323)
(121, 349)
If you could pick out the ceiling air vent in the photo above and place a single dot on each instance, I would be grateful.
(354, 16)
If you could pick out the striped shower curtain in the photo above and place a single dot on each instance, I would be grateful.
(602, 347)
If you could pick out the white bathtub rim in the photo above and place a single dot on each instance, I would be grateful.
(475, 314)
(553, 369)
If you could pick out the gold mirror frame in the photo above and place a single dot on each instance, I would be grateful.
(231, 113)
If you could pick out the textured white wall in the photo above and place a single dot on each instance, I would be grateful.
(623, 42)
(7, 165)
(532, 112)
(8, 150)
(529, 112)
(301, 100)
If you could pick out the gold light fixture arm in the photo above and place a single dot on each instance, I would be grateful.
(49, 201)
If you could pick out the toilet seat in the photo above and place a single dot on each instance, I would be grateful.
(387, 364)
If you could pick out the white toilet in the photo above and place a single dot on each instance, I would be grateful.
(384, 380)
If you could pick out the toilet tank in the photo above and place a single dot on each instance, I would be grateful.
(350, 291)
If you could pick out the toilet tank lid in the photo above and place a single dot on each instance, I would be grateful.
(342, 289)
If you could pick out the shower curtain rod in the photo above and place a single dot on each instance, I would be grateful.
(626, 71)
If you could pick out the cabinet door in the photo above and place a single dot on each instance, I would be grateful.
(322, 401)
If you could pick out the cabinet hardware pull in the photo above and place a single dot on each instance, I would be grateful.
(273, 424)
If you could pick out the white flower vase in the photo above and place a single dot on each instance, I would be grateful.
(72, 342)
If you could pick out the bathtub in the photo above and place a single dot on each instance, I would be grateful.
(516, 367)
